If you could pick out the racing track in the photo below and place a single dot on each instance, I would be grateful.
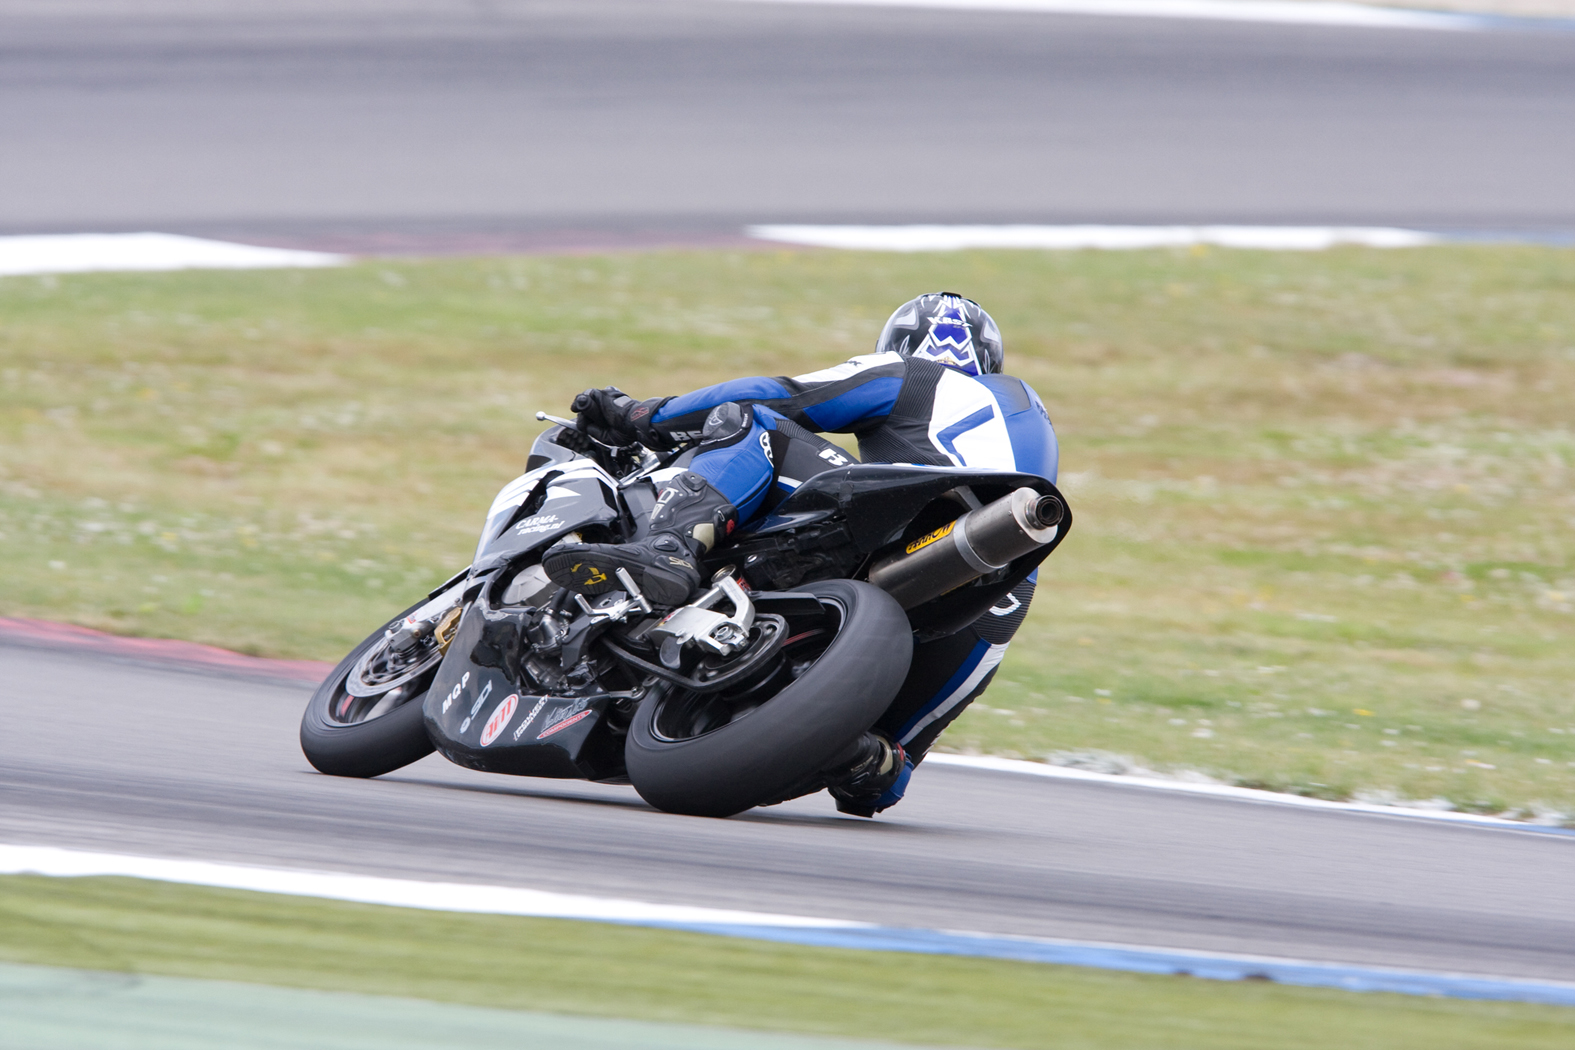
(456, 125)
(105, 753)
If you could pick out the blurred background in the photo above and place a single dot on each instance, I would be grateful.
(1324, 499)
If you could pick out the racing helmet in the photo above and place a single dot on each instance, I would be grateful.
(946, 328)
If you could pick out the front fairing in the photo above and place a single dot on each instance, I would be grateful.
(564, 493)
(481, 712)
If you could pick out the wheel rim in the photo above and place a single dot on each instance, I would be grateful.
(684, 715)
(382, 669)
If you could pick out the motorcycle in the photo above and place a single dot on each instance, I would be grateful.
(746, 695)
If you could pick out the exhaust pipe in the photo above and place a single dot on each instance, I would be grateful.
(979, 542)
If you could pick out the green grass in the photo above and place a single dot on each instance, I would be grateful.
(1325, 502)
(601, 970)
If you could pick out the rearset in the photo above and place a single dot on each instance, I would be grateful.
(699, 624)
(612, 608)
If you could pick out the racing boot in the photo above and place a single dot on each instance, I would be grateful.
(689, 519)
(861, 786)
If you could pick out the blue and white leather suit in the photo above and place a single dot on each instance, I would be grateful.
(902, 410)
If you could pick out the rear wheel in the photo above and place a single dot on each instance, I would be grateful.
(717, 754)
(365, 719)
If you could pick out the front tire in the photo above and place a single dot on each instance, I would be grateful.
(692, 755)
(338, 737)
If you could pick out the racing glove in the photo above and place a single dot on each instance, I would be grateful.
(614, 418)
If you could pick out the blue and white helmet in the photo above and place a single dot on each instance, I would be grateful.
(946, 328)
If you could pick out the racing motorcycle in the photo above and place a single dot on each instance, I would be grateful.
(746, 695)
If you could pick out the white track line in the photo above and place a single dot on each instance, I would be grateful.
(372, 889)
(935, 238)
(1240, 794)
(1282, 12)
(101, 252)
(788, 929)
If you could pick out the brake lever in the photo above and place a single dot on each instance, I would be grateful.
(545, 418)
(640, 453)
(570, 424)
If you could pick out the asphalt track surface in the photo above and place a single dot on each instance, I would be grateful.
(109, 754)
(452, 125)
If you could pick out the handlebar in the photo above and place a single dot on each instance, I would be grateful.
(621, 461)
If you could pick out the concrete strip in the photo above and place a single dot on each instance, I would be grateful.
(48, 1008)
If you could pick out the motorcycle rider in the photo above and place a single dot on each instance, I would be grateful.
(933, 392)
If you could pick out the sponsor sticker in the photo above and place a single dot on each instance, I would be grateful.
(563, 717)
(539, 523)
(486, 691)
(832, 456)
(566, 723)
(925, 541)
(453, 694)
(540, 703)
(500, 719)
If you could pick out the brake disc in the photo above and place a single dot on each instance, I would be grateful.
(372, 675)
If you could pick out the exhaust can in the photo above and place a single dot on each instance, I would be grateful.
(976, 544)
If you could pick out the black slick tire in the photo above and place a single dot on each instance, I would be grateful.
(362, 749)
(799, 731)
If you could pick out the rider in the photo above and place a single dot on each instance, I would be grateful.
(932, 393)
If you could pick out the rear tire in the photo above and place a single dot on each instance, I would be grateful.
(367, 748)
(762, 754)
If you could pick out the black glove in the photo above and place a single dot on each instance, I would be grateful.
(614, 418)
(604, 415)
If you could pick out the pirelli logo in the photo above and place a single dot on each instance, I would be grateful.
(925, 541)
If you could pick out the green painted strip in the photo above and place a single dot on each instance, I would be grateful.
(50, 1008)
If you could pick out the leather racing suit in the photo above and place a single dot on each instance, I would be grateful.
(759, 443)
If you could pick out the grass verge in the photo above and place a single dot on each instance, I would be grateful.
(1325, 501)
(601, 970)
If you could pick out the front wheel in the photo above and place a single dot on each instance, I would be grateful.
(717, 754)
(361, 731)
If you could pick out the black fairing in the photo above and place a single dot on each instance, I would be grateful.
(560, 736)
(575, 503)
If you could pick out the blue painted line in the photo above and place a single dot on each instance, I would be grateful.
(1205, 965)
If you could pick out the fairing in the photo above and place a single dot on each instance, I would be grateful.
(483, 710)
